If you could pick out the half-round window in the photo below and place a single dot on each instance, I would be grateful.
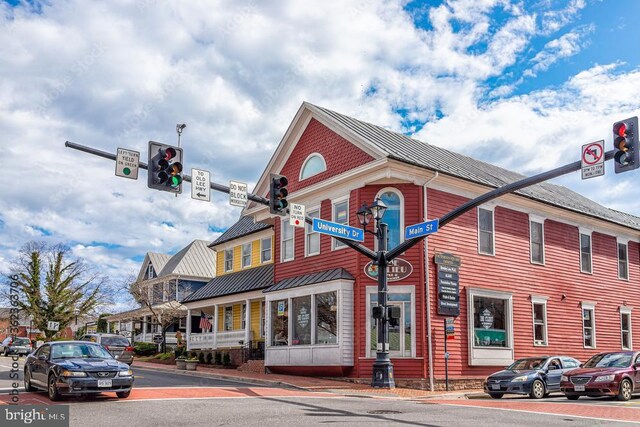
(312, 166)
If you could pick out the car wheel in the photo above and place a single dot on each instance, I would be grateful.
(27, 381)
(54, 394)
(123, 394)
(625, 391)
(573, 396)
(537, 390)
(496, 395)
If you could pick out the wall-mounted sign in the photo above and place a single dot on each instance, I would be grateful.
(397, 269)
(448, 284)
(447, 259)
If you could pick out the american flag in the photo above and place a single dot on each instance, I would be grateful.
(205, 324)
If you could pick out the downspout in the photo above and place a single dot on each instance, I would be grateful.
(427, 288)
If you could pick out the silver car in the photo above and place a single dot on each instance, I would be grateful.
(119, 346)
(15, 345)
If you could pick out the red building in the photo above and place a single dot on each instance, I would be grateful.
(543, 271)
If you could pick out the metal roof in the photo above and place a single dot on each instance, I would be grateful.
(195, 260)
(402, 148)
(244, 226)
(235, 283)
(311, 279)
(158, 260)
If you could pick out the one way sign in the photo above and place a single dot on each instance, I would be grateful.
(200, 189)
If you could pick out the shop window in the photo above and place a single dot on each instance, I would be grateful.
(301, 320)
(625, 328)
(401, 335)
(486, 244)
(279, 322)
(539, 320)
(228, 318)
(312, 238)
(341, 216)
(588, 325)
(243, 319)
(265, 250)
(228, 260)
(490, 327)
(623, 261)
(327, 318)
(537, 242)
(312, 166)
(585, 253)
(287, 240)
(393, 217)
(246, 255)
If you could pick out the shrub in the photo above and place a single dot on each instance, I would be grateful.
(226, 359)
(145, 349)
(181, 352)
(165, 356)
(194, 355)
(218, 358)
(209, 358)
(201, 357)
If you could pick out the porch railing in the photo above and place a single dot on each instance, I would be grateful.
(225, 339)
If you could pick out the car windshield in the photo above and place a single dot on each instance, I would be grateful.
(609, 360)
(115, 341)
(21, 341)
(79, 350)
(525, 364)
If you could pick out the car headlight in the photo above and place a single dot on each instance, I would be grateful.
(564, 378)
(520, 379)
(127, 373)
(604, 378)
(73, 374)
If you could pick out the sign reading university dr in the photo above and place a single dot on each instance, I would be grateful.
(448, 284)
(338, 230)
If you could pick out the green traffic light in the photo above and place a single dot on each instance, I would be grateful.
(175, 181)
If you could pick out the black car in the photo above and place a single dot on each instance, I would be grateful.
(76, 368)
(535, 376)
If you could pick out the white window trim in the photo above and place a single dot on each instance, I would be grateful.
(626, 310)
(293, 239)
(587, 233)
(483, 356)
(543, 302)
(404, 289)
(540, 221)
(589, 306)
(401, 196)
(304, 164)
(225, 260)
(334, 202)
(242, 255)
(625, 242)
(306, 234)
(262, 249)
(492, 209)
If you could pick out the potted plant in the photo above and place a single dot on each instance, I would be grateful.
(191, 364)
(181, 363)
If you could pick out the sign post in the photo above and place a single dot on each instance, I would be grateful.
(127, 163)
(297, 215)
(592, 159)
(200, 189)
(237, 194)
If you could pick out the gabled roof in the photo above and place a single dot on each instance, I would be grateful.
(311, 279)
(157, 260)
(195, 260)
(244, 226)
(235, 283)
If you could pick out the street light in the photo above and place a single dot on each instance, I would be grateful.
(382, 368)
(76, 311)
(30, 322)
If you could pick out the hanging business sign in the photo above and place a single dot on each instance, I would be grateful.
(397, 269)
(448, 284)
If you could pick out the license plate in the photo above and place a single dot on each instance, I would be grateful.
(578, 388)
(105, 383)
(495, 386)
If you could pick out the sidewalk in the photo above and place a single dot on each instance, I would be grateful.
(311, 383)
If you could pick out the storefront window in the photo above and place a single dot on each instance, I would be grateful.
(489, 322)
(301, 320)
(327, 318)
(400, 334)
(280, 322)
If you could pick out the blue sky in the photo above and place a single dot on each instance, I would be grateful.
(518, 84)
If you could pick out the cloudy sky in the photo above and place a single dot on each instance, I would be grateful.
(521, 84)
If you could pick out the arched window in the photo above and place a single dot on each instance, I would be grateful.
(312, 166)
(393, 215)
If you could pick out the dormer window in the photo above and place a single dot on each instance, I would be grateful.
(312, 166)
(151, 273)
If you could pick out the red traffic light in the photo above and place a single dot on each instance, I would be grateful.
(621, 129)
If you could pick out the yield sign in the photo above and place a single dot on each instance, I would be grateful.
(592, 159)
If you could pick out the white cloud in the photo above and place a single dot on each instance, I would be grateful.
(566, 45)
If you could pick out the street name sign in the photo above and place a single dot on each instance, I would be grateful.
(338, 230)
(53, 326)
(592, 159)
(237, 194)
(127, 163)
(200, 189)
(296, 215)
(421, 229)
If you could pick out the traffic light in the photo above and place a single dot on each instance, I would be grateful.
(625, 144)
(278, 195)
(393, 315)
(165, 167)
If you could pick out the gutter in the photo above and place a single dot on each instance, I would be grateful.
(426, 285)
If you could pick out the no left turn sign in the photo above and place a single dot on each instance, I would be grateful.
(592, 159)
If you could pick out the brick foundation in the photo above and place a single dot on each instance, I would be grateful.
(423, 383)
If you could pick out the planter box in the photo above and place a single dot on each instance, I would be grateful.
(191, 366)
(181, 365)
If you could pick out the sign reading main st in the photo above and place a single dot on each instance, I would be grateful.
(338, 230)
(421, 229)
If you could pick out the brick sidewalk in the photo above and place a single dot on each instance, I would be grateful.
(309, 383)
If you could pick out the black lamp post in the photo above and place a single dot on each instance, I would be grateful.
(76, 311)
(382, 368)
